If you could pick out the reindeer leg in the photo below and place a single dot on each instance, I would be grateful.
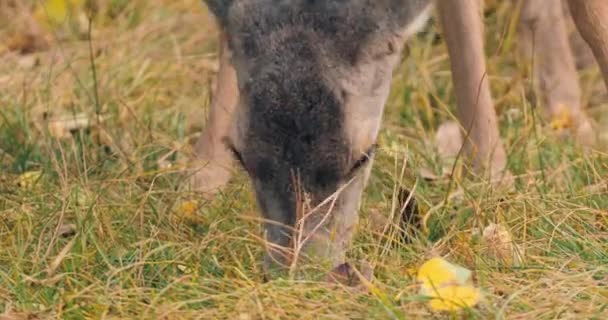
(463, 30)
(213, 159)
(591, 19)
(544, 39)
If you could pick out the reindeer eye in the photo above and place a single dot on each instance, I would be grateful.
(361, 162)
(235, 153)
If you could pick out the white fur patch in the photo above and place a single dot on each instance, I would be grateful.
(419, 22)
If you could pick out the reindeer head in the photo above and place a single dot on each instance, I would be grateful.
(313, 77)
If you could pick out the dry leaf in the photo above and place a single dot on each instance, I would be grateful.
(499, 245)
(64, 126)
(26, 43)
(188, 208)
(67, 230)
(186, 212)
(184, 269)
(449, 140)
(28, 61)
(28, 180)
(447, 285)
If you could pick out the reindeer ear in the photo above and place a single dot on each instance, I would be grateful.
(390, 24)
(409, 16)
(401, 18)
(220, 9)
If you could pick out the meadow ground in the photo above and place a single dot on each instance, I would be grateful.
(98, 223)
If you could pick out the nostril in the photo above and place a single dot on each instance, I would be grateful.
(343, 95)
(264, 170)
(307, 139)
(325, 177)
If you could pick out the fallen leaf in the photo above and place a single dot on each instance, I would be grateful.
(184, 269)
(187, 208)
(67, 230)
(438, 272)
(62, 127)
(55, 12)
(449, 140)
(186, 212)
(29, 179)
(447, 285)
(26, 43)
(499, 245)
(452, 298)
(562, 119)
(28, 61)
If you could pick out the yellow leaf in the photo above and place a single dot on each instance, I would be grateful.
(54, 12)
(186, 212)
(28, 179)
(437, 273)
(447, 285)
(187, 208)
(562, 119)
(452, 298)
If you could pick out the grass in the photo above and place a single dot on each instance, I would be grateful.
(103, 232)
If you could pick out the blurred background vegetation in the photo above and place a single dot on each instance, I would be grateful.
(100, 102)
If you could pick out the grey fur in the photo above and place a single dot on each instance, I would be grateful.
(219, 8)
(292, 59)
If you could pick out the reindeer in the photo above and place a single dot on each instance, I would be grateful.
(301, 90)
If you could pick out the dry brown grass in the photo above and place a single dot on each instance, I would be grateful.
(102, 235)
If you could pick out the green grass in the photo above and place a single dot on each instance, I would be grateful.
(130, 253)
